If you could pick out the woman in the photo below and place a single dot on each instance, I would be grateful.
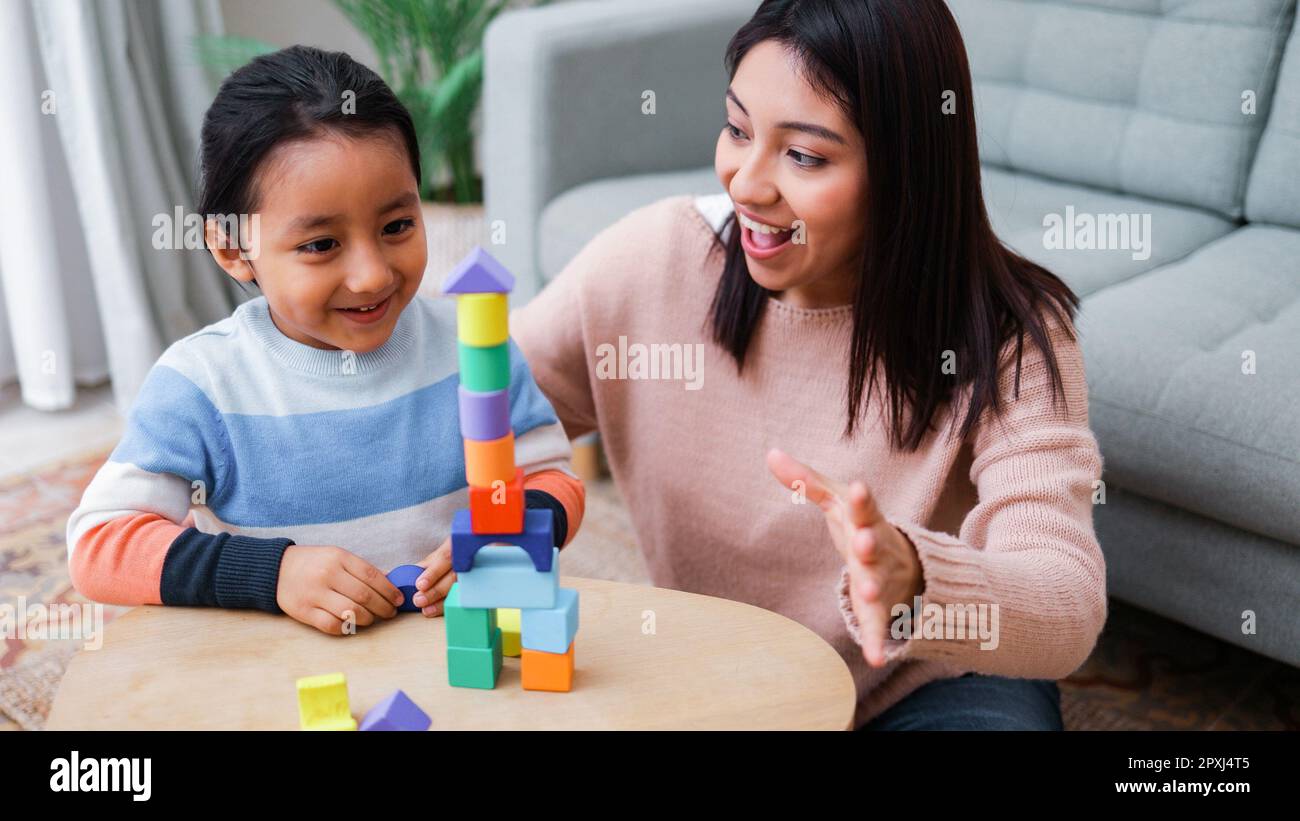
(848, 302)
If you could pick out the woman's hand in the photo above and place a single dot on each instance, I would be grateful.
(436, 580)
(327, 587)
(884, 569)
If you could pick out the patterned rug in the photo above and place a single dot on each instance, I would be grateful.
(1146, 673)
(34, 511)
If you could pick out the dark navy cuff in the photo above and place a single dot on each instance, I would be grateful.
(535, 499)
(248, 573)
(223, 570)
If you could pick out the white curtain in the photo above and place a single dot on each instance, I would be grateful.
(101, 140)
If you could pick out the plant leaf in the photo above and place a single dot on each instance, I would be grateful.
(227, 52)
(465, 77)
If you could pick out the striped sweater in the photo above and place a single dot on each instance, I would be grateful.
(243, 442)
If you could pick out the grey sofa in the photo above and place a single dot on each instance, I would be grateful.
(1184, 110)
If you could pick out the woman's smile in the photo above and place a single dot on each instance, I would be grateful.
(761, 240)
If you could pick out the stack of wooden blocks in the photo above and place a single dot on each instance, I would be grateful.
(507, 599)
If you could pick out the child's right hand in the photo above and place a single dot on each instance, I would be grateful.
(321, 585)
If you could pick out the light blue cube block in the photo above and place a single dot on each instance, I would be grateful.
(504, 576)
(551, 629)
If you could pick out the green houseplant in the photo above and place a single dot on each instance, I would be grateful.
(431, 53)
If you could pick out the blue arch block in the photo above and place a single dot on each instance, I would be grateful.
(537, 540)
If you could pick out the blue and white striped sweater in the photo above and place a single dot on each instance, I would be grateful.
(268, 439)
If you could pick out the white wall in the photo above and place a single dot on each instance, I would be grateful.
(293, 22)
(315, 23)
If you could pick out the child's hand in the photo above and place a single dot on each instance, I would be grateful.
(436, 580)
(325, 586)
(883, 566)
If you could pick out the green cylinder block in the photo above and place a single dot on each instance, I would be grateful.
(484, 369)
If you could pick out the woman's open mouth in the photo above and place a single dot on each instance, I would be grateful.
(760, 240)
(366, 314)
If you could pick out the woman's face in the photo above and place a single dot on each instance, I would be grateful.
(791, 160)
(340, 232)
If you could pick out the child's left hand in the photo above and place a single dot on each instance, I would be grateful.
(436, 580)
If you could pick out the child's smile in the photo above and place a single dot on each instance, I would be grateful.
(366, 314)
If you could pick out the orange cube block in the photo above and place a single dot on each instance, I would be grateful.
(498, 509)
(547, 671)
(490, 460)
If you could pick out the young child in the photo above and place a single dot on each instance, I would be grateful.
(289, 456)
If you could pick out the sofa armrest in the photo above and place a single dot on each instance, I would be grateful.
(563, 103)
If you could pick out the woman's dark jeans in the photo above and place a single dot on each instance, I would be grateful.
(976, 702)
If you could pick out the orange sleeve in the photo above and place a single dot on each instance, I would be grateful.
(567, 490)
(121, 561)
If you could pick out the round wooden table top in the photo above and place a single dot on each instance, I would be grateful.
(646, 658)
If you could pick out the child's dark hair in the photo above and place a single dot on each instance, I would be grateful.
(291, 94)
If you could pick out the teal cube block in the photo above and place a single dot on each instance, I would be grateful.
(504, 576)
(467, 626)
(552, 629)
(476, 667)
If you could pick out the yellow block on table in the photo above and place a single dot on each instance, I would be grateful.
(323, 703)
(508, 619)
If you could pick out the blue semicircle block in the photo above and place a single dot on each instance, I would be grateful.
(403, 578)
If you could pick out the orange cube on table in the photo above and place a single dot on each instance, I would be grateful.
(546, 671)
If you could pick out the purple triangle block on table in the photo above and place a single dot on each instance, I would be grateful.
(397, 712)
(478, 273)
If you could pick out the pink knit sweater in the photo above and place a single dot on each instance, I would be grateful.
(710, 518)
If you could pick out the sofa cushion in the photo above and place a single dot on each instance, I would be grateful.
(1177, 418)
(1019, 203)
(1139, 96)
(577, 215)
(1273, 194)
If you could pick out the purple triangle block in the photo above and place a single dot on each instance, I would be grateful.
(397, 712)
(479, 273)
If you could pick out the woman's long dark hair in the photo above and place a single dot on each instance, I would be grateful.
(934, 277)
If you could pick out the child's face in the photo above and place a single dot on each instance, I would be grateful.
(340, 230)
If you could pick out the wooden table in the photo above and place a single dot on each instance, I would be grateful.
(708, 664)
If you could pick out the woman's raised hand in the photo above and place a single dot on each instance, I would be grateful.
(884, 569)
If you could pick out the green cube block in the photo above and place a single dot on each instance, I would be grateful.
(484, 369)
(475, 666)
(467, 626)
